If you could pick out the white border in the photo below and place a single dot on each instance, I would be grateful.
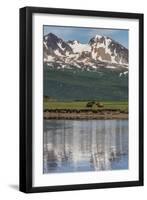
(40, 179)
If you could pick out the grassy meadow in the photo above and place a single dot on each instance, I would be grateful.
(81, 105)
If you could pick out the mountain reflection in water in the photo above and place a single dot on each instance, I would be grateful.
(85, 145)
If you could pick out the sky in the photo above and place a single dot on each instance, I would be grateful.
(85, 34)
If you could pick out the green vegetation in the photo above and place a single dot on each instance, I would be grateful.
(81, 90)
(81, 105)
(71, 85)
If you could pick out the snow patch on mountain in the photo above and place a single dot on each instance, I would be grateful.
(123, 73)
(58, 53)
(110, 67)
(98, 36)
(49, 58)
(78, 47)
(60, 45)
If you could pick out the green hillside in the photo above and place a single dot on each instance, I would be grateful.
(82, 85)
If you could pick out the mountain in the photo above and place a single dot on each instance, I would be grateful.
(105, 49)
(76, 71)
(54, 46)
(100, 51)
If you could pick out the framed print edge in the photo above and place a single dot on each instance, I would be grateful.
(26, 116)
(25, 168)
(141, 99)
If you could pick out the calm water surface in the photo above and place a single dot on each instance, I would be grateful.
(85, 145)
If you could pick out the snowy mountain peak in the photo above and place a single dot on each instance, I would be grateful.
(105, 49)
(54, 46)
(100, 51)
(76, 42)
(100, 39)
(98, 36)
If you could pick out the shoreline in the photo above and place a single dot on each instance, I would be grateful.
(85, 115)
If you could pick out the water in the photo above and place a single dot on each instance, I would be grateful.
(85, 145)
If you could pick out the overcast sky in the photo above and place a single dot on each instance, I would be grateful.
(85, 34)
